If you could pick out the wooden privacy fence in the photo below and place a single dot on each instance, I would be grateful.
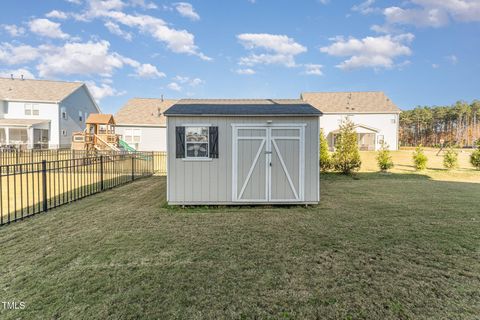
(14, 156)
(30, 188)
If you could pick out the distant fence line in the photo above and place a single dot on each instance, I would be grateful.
(14, 156)
(30, 188)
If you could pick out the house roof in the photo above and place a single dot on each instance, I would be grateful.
(239, 107)
(143, 111)
(36, 90)
(100, 118)
(351, 102)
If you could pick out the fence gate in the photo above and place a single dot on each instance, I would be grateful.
(268, 163)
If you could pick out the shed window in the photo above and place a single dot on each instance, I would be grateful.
(196, 141)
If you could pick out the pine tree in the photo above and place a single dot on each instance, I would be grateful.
(420, 159)
(384, 158)
(346, 158)
(450, 159)
(475, 157)
(325, 158)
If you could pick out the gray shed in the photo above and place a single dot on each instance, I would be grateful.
(232, 152)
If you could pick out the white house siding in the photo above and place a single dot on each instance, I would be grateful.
(210, 182)
(78, 101)
(47, 111)
(152, 138)
(385, 123)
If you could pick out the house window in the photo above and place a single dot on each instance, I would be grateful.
(64, 113)
(32, 109)
(381, 139)
(80, 116)
(133, 137)
(196, 142)
(64, 132)
(393, 121)
(18, 136)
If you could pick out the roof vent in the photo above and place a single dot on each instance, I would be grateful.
(162, 97)
(159, 112)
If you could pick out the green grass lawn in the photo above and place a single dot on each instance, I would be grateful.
(377, 247)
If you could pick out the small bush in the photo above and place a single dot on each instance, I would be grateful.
(384, 159)
(420, 159)
(450, 159)
(475, 157)
(346, 158)
(325, 158)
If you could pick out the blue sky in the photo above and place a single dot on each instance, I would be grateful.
(420, 52)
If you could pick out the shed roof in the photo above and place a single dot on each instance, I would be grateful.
(36, 90)
(143, 111)
(100, 118)
(242, 107)
(351, 102)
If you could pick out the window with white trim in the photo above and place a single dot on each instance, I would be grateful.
(393, 121)
(64, 113)
(381, 139)
(196, 142)
(64, 132)
(133, 137)
(32, 109)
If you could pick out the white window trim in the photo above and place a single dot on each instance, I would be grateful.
(207, 157)
(32, 108)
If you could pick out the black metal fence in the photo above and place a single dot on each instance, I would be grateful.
(16, 156)
(30, 188)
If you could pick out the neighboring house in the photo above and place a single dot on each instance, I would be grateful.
(376, 117)
(38, 114)
(142, 125)
(254, 151)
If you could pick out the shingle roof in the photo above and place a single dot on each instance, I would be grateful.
(36, 90)
(100, 118)
(290, 107)
(143, 111)
(350, 102)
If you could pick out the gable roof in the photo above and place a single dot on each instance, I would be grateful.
(36, 90)
(351, 102)
(143, 111)
(100, 118)
(242, 107)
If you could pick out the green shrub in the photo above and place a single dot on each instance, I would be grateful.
(420, 159)
(325, 158)
(384, 159)
(346, 157)
(475, 157)
(450, 159)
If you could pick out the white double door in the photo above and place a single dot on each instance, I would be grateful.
(268, 163)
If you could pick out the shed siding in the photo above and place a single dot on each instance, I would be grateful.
(197, 182)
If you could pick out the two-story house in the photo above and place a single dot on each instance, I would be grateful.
(38, 114)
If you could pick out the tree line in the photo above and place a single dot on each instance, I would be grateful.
(457, 125)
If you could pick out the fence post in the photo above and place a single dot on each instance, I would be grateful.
(16, 156)
(101, 173)
(133, 167)
(44, 184)
(153, 162)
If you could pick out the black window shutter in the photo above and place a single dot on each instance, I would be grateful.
(213, 139)
(180, 141)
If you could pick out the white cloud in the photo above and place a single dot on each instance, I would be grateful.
(11, 55)
(365, 7)
(186, 10)
(178, 41)
(13, 30)
(452, 58)
(148, 71)
(75, 1)
(47, 28)
(143, 4)
(174, 86)
(56, 14)
(115, 29)
(17, 73)
(435, 66)
(376, 52)
(280, 49)
(102, 91)
(193, 82)
(313, 69)
(433, 13)
(245, 71)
